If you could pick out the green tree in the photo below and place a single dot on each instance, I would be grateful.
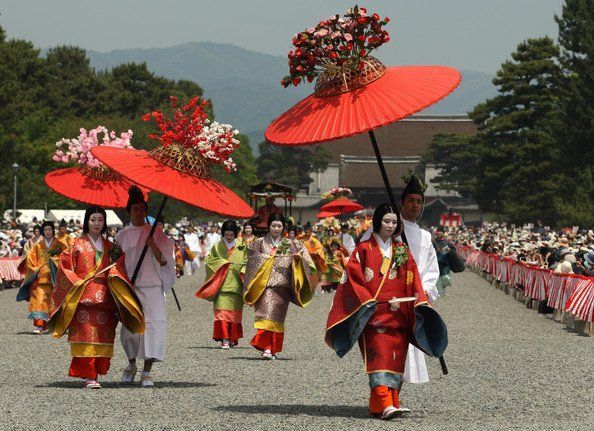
(456, 157)
(515, 141)
(71, 87)
(291, 165)
(575, 131)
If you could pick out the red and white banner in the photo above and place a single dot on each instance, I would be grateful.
(571, 293)
(8, 269)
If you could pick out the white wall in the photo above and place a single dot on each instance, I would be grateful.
(430, 173)
(323, 181)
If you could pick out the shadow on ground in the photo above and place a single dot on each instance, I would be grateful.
(360, 412)
(256, 358)
(111, 385)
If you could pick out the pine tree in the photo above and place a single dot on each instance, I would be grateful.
(516, 146)
(575, 132)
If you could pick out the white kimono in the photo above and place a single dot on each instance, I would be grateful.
(193, 243)
(421, 247)
(151, 285)
(347, 241)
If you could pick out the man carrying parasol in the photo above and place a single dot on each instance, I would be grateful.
(155, 278)
(421, 247)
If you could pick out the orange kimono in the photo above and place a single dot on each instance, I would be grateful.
(374, 306)
(316, 251)
(66, 239)
(38, 259)
(88, 304)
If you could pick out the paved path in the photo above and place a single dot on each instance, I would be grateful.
(509, 369)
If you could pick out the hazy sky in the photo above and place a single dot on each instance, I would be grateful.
(468, 34)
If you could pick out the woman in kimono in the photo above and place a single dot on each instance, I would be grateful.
(248, 234)
(40, 269)
(91, 295)
(225, 267)
(278, 272)
(336, 262)
(374, 305)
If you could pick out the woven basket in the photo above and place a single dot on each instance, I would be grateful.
(101, 172)
(338, 80)
(186, 160)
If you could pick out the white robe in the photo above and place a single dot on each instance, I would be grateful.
(421, 247)
(193, 243)
(151, 286)
(347, 241)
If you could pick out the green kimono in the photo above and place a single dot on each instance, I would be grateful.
(224, 286)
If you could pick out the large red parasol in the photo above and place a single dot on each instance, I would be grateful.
(180, 167)
(341, 206)
(90, 181)
(400, 92)
(90, 185)
(355, 93)
(142, 168)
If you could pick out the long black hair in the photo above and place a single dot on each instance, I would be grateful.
(379, 214)
(231, 226)
(50, 224)
(94, 210)
(276, 217)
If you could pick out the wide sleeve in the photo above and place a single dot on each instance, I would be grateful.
(34, 261)
(167, 248)
(430, 274)
(213, 261)
(302, 269)
(352, 306)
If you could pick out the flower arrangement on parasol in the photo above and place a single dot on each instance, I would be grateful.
(336, 46)
(337, 193)
(90, 181)
(354, 92)
(180, 166)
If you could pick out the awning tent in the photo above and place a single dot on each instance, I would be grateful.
(25, 216)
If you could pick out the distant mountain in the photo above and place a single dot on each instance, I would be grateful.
(245, 85)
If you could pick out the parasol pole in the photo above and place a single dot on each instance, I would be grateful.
(380, 163)
(145, 249)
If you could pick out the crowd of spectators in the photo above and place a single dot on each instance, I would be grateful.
(569, 251)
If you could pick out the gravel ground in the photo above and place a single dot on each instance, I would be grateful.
(510, 368)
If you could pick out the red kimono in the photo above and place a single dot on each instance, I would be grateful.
(88, 303)
(374, 305)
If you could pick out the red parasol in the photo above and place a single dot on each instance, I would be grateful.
(90, 182)
(400, 92)
(144, 169)
(341, 206)
(90, 185)
(355, 93)
(180, 167)
(324, 214)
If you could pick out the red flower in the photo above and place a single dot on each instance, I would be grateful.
(296, 81)
(146, 117)
(376, 17)
(387, 20)
(386, 39)
(310, 78)
(361, 38)
(363, 10)
(363, 53)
